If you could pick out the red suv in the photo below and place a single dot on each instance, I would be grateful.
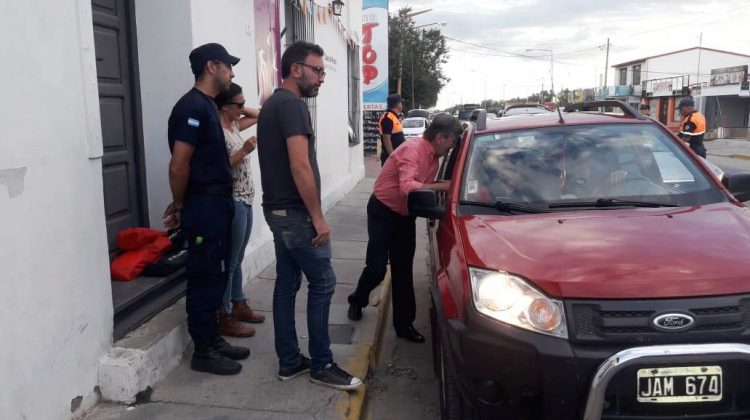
(588, 265)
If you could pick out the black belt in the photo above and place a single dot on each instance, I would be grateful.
(214, 189)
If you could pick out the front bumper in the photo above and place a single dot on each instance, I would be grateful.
(507, 372)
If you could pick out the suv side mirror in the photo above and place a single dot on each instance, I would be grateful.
(424, 203)
(738, 183)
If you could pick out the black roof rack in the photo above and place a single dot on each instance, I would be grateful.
(591, 105)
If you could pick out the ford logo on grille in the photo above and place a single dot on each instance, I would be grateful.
(673, 321)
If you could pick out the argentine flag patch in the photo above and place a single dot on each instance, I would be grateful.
(193, 122)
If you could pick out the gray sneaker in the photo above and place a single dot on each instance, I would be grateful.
(287, 374)
(335, 377)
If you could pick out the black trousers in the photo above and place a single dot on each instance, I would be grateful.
(698, 147)
(391, 236)
(206, 221)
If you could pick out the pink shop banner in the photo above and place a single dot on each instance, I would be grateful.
(267, 47)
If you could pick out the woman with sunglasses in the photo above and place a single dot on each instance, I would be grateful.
(234, 119)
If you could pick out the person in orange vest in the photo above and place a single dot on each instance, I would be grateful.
(692, 127)
(389, 127)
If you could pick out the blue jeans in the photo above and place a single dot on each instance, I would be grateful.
(242, 225)
(292, 236)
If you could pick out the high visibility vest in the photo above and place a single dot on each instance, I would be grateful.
(693, 126)
(396, 123)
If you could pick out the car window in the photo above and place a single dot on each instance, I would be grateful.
(413, 123)
(570, 164)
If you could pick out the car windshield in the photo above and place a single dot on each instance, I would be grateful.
(413, 123)
(571, 166)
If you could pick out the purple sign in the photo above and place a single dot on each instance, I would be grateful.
(267, 47)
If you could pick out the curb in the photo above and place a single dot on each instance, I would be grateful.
(349, 405)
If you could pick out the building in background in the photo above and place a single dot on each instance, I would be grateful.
(667, 78)
(85, 155)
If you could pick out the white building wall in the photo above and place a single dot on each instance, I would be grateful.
(165, 76)
(57, 304)
(686, 63)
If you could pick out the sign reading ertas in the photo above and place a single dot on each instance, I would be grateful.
(374, 54)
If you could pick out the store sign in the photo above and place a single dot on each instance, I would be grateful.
(728, 76)
(375, 54)
(663, 89)
(267, 47)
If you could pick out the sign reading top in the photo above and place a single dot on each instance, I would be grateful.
(729, 76)
(375, 54)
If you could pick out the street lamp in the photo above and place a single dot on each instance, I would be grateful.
(404, 18)
(337, 5)
(551, 67)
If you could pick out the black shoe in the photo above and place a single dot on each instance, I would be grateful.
(210, 360)
(355, 312)
(411, 334)
(286, 374)
(335, 377)
(230, 351)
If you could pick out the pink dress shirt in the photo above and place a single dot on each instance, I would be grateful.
(411, 165)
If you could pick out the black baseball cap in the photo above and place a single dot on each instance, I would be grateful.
(394, 99)
(212, 51)
(685, 102)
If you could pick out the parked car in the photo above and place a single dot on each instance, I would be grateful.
(414, 126)
(418, 113)
(465, 111)
(525, 109)
(587, 265)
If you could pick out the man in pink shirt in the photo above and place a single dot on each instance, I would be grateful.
(392, 231)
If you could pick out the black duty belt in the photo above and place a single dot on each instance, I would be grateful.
(214, 189)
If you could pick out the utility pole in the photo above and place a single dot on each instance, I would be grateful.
(413, 106)
(606, 65)
(700, 50)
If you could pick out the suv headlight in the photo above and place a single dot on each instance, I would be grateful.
(511, 300)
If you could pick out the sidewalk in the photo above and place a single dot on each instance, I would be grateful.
(738, 148)
(256, 393)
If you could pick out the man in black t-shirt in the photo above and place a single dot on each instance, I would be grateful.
(291, 205)
(201, 182)
(389, 126)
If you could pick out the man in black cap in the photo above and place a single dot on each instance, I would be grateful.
(201, 181)
(692, 127)
(389, 126)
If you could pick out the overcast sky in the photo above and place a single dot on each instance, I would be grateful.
(576, 31)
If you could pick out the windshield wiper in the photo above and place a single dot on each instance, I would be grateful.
(613, 202)
(506, 206)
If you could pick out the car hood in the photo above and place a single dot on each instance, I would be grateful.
(618, 254)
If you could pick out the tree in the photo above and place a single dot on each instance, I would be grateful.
(417, 55)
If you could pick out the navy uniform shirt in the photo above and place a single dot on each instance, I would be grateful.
(195, 120)
(283, 115)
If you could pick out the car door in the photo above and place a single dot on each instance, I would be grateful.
(433, 226)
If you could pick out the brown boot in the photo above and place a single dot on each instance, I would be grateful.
(228, 326)
(242, 312)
